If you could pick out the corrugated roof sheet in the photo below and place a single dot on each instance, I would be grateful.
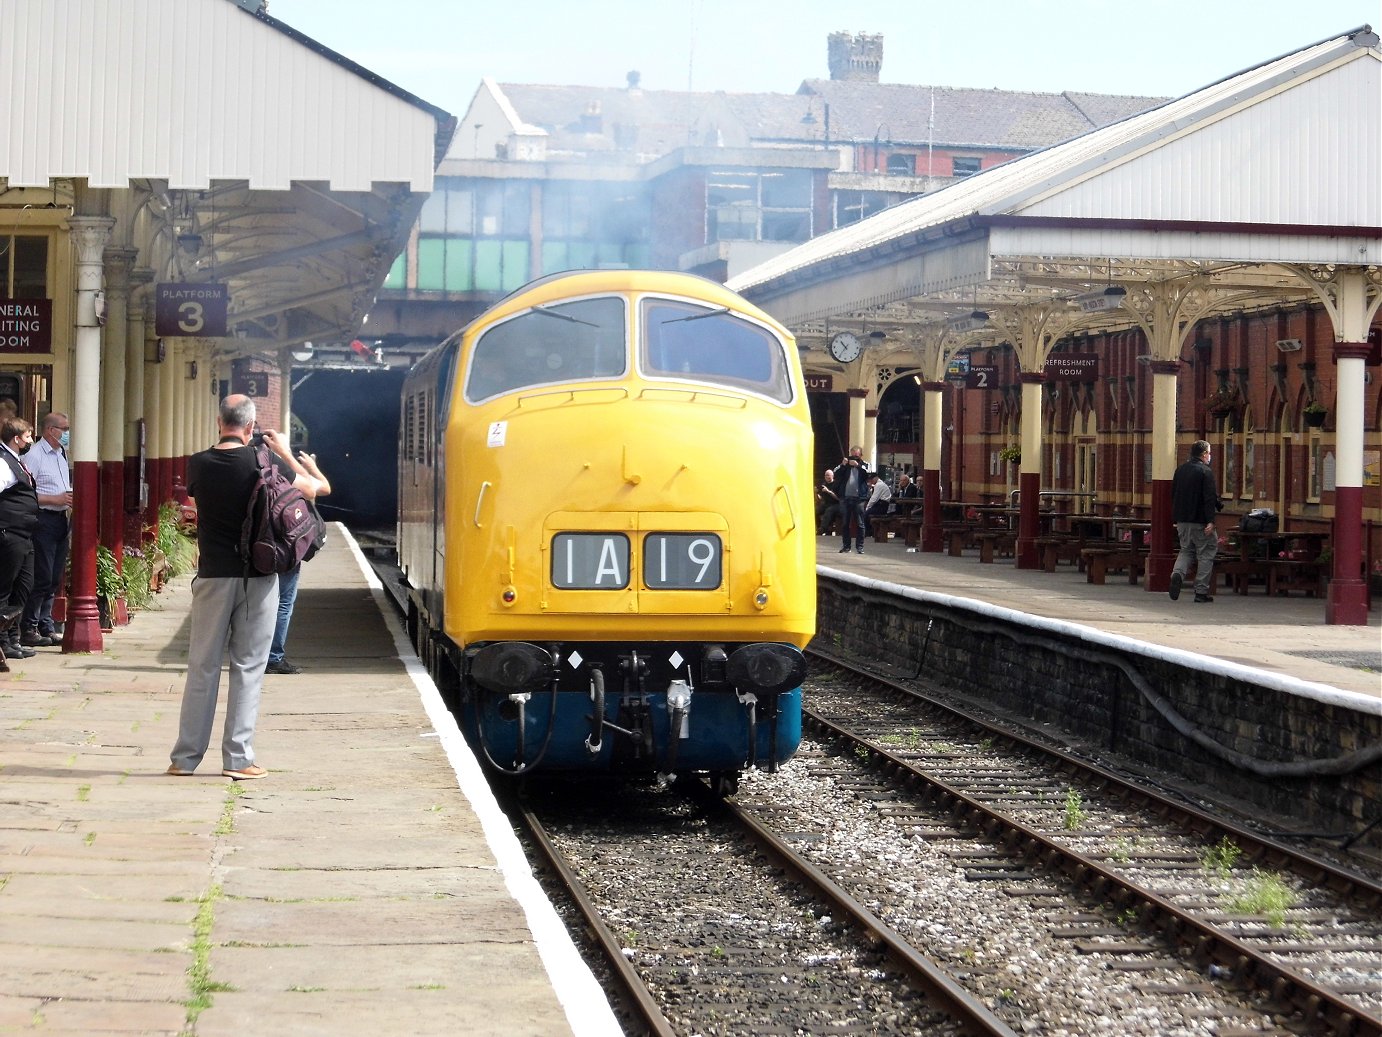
(193, 91)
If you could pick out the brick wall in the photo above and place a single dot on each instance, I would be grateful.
(1103, 698)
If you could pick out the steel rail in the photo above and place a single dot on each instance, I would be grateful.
(1246, 967)
(635, 992)
(948, 996)
(1256, 848)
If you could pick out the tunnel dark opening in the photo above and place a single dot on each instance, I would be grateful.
(351, 424)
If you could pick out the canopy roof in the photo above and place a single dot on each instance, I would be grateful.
(256, 156)
(1278, 164)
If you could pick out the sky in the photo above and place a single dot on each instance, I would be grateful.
(440, 49)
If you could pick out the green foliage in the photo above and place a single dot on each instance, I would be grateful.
(109, 583)
(1012, 453)
(173, 541)
(1265, 894)
(1075, 814)
(138, 574)
(1221, 858)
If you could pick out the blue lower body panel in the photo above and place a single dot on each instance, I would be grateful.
(718, 732)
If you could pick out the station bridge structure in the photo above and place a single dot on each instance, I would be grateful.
(191, 190)
(1255, 193)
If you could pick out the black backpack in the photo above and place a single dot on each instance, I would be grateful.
(281, 526)
(1258, 520)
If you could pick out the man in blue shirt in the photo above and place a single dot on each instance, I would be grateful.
(47, 460)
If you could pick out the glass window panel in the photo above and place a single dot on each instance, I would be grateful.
(902, 165)
(682, 340)
(433, 215)
(398, 273)
(731, 189)
(554, 257)
(786, 226)
(30, 267)
(515, 265)
(575, 341)
(733, 223)
(963, 166)
(431, 264)
(460, 265)
(789, 189)
(515, 208)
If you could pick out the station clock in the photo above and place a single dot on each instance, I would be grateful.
(846, 347)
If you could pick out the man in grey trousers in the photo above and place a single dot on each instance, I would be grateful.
(1194, 503)
(230, 612)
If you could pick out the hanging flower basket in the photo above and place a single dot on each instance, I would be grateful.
(1011, 454)
(1314, 415)
(1225, 401)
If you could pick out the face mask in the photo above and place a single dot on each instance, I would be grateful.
(64, 438)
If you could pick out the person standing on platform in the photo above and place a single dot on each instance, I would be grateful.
(18, 517)
(288, 585)
(231, 612)
(852, 485)
(827, 502)
(53, 479)
(1194, 503)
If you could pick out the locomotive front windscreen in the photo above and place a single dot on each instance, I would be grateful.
(699, 343)
(547, 345)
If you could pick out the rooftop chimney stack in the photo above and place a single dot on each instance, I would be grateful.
(855, 57)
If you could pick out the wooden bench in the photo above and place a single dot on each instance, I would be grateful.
(995, 541)
(1100, 561)
(1239, 573)
(1285, 575)
(1057, 548)
(958, 537)
(884, 526)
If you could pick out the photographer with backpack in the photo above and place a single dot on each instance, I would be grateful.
(288, 582)
(234, 597)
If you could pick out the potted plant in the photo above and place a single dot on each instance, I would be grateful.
(1011, 454)
(110, 585)
(1314, 413)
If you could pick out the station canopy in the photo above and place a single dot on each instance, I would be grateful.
(1248, 192)
(231, 149)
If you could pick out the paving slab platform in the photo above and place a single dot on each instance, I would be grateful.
(368, 884)
(1283, 636)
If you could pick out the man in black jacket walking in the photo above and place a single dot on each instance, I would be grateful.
(1194, 503)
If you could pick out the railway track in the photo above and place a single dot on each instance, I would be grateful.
(1291, 931)
(995, 893)
(915, 869)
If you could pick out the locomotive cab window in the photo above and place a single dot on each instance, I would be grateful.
(683, 340)
(549, 345)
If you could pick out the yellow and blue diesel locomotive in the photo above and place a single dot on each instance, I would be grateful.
(606, 526)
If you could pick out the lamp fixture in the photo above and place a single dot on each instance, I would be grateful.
(1289, 345)
(302, 352)
(968, 322)
(1101, 299)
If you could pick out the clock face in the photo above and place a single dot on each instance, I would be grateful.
(845, 347)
